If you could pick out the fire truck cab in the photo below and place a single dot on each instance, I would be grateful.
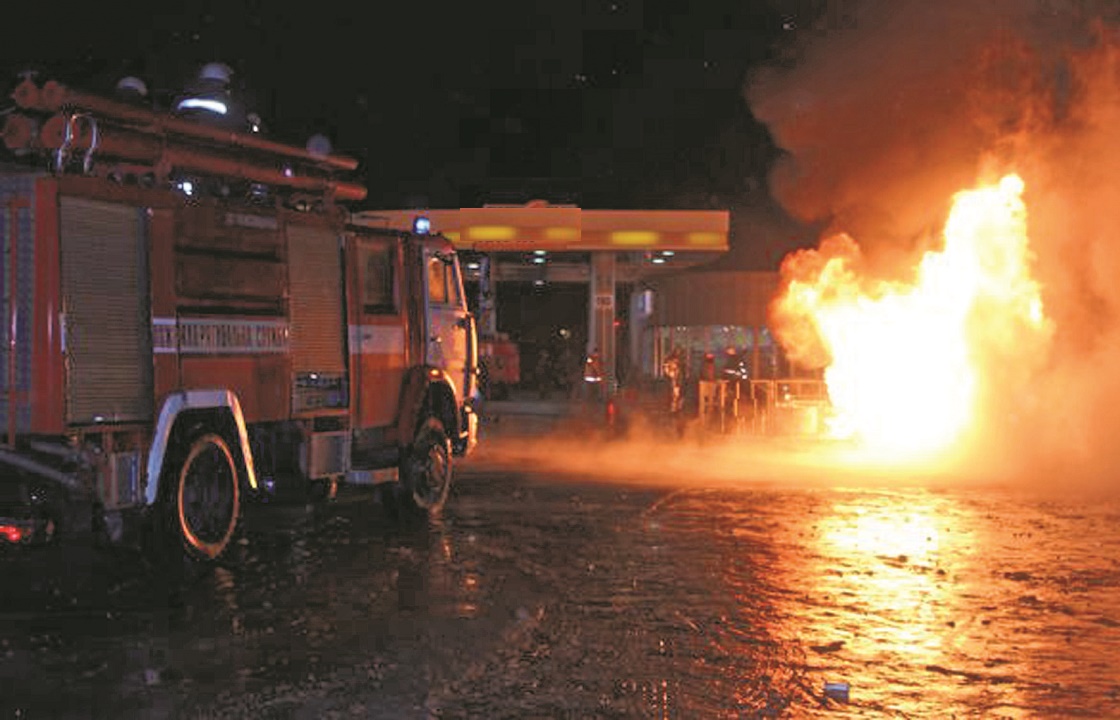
(165, 351)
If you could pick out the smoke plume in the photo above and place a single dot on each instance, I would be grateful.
(885, 116)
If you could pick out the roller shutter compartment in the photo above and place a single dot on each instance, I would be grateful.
(17, 293)
(106, 312)
(315, 300)
(316, 324)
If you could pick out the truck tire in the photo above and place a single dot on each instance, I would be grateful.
(206, 503)
(425, 470)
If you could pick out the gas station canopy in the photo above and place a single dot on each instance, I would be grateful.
(566, 228)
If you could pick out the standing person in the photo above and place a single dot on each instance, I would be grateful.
(543, 371)
(593, 377)
(673, 367)
(566, 369)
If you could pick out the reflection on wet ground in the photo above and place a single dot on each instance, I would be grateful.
(937, 604)
(547, 595)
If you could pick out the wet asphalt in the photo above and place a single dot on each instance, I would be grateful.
(546, 591)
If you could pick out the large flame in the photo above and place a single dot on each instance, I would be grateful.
(911, 366)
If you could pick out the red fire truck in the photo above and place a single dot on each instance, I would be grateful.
(188, 316)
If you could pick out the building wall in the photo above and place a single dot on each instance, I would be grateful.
(714, 298)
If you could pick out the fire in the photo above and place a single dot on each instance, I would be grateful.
(910, 366)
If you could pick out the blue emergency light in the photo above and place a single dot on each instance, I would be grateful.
(421, 225)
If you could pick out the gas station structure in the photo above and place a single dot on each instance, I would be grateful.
(541, 243)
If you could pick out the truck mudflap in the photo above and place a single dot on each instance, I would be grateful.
(467, 439)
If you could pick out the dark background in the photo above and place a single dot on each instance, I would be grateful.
(604, 103)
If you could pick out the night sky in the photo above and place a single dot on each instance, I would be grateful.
(604, 103)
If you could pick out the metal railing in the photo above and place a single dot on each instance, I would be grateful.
(784, 406)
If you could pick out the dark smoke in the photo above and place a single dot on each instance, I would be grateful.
(885, 116)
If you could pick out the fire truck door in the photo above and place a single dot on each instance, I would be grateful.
(377, 331)
(447, 322)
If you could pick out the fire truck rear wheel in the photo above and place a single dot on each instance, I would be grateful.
(207, 499)
(425, 473)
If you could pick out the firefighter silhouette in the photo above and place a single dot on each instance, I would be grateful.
(593, 368)
(543, 372)
(708, 369)
(674, 370)
(673, 367)
(593, 380)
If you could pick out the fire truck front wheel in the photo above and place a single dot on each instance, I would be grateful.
(425, 471)
(207, 500)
